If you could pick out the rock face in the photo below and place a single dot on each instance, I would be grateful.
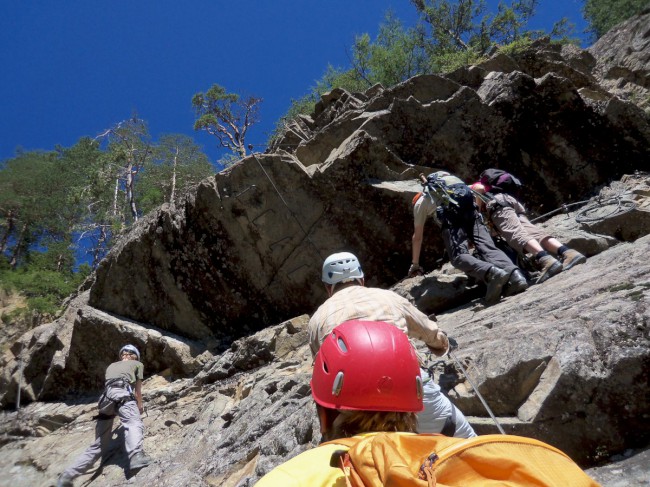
(245, 249)
(565, 362)
(201, 289)
(623, 61)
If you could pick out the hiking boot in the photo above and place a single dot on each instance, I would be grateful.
(496, 278)
(64, 481)
(139, 460)
(548, 266)
(415, 270)
(572, 257)
(517, 283)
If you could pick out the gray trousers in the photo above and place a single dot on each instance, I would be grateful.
(133, 438)
(437, 408)
(457, 235)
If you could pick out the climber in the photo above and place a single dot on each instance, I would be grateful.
(508, 217)
(451, 201)
(122, 397)
(367, 389)
(349, 299)
(375, 387)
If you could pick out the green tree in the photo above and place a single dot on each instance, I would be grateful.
(129, 151)
(602, 15)
(46, 279)
(466, 25)
(227, 116)
(91, 174)
(396, 54)
(32, 204)
(177, 164)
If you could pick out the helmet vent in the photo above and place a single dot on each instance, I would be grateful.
(338, 384)
(342, 345)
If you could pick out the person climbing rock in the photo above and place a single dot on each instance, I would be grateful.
(348, 403)
(508, 217)
(349, 299)
(367, 389)
(451, 201)
(122, 397)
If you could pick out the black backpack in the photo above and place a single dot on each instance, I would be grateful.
(455, 196)
(458, 200)
(500, 181)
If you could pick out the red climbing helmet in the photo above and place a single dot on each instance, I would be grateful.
(367, 366)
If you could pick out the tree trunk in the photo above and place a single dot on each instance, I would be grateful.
(172, 196)
(129, 192)
(101, 241)
(10, 228)
(20, 241)
(115, 193)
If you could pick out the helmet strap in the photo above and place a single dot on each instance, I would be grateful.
(326, 417)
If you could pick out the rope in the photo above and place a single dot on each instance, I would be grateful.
(564, 209)
(480, 396)
(287, 206)
(623, 205)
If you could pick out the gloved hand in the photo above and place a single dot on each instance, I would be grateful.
(442, 347)
(415, 270)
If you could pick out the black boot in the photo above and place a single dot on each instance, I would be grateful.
(516, 284)
(496, 278)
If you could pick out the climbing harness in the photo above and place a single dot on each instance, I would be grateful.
(108, 405)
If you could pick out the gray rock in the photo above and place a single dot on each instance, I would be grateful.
(227, 388)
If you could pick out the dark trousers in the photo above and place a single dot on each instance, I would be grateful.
(457, 233)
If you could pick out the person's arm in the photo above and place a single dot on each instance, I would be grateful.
(138, 395)
(416, 241)
(421, 327)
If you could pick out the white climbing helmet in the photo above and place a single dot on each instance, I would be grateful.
(341, 267)
(129, 348)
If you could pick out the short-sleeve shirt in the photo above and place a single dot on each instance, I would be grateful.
(428, 202)
(129, 370)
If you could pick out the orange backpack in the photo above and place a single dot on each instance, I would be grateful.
(401, 460)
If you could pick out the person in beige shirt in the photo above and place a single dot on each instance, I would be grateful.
(349, 299)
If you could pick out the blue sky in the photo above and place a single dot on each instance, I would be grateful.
(74, 68)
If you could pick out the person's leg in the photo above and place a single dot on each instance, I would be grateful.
(509, 227)
(568, 257)
(133, 427)
(455, 237)
(551, 244)
(533, 247)
(515, 281)
(486, 248)
(438, 411)
(85, 461)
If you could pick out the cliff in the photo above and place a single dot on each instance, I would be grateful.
(217, 292)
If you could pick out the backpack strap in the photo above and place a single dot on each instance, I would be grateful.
(450, 423)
